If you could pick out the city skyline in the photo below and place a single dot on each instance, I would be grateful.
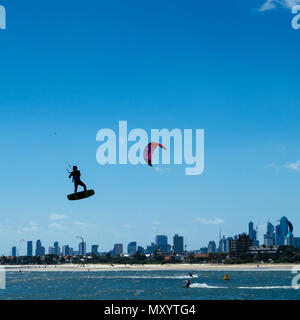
(273, 236)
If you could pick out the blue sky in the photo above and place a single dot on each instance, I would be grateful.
(229, 67)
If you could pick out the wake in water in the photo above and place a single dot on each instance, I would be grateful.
(270, 287)
(146, 277)
(205, 286)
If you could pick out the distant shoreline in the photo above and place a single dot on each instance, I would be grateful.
(152, 267)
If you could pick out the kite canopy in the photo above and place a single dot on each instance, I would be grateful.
(290, 226)
(148, 152)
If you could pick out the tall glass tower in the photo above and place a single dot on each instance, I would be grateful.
(284, 229)
(178, 243)
(29, 248)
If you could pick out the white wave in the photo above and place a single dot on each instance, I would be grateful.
(247, 270)
(270, 287)
(205, 286)
(146, 277)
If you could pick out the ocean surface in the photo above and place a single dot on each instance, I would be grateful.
(121, 285)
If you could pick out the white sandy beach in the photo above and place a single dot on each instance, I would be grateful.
(152, 267)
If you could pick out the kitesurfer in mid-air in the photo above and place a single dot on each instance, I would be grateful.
(75, 174)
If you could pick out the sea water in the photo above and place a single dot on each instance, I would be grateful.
(154, 285)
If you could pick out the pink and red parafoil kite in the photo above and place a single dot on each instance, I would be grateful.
(148, 152)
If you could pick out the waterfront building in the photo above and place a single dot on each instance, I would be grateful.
(29, 249)
(14, 251)
(212, 248)
(82, 248)
(95, 249)
(131, 248)
(178, 244)
(118, 249)
(162, 243)
(240, 245)
(65, 250)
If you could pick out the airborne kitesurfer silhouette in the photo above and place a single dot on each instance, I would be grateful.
(75, 174)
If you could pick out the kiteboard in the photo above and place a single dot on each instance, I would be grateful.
(81, 195)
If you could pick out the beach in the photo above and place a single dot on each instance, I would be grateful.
(152, 267)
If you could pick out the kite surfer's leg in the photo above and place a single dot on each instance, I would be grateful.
(76, 186)
(80, 183)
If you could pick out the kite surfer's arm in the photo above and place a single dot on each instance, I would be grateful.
(71, 174)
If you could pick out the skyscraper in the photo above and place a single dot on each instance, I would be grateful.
(289, 241)
(40, 250)
(95, 249)
(151, 248)
(178, 243)
(65, 250)
(38, 247)
(162, 242)
(284, 229)
(56, 248)
(82, 248)
(29, 248)
(204, 250)
(132, 248)
(228, 239)
(240, 245)
(269, 237)
(118, 249)
(282, 235)
(212, 247)
(270, 227)
(279, 238)
(14, 251)
(222, 245)
(141, 250)
(251, 229)
(296, 242)
(253, 234)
